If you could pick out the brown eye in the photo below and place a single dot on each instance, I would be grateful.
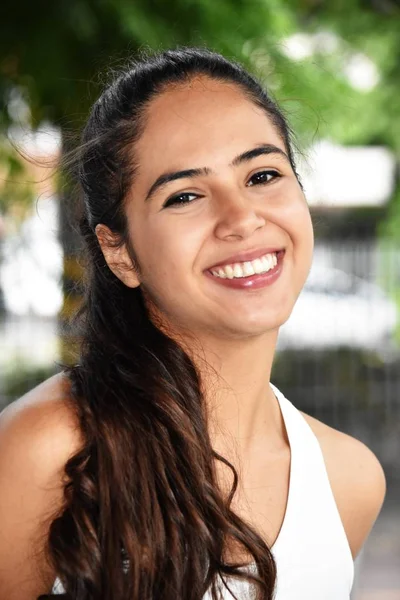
(180, 199)
(263, 177)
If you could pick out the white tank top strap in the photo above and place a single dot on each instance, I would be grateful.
(312, 545)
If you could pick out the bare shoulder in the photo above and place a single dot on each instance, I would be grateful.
(41, 424)
(357, 480)
(38, 434)
(45, 407)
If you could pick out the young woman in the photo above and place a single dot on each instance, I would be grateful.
(165, 465)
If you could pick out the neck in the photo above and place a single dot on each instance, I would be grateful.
(242, 410)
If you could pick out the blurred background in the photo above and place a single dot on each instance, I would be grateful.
(334, 67)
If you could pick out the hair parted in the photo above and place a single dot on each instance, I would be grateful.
(143, 517)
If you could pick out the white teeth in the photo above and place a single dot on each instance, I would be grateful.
(269, 261)
(248, 268)
(237, 270)
(258, 265)
(229, 271)
(264, 262)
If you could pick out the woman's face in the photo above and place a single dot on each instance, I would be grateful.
(200, 197)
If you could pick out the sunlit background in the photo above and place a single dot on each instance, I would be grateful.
(336, 72)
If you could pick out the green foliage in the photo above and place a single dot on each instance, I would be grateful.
(16, 189)
(53, 52)
(390, 228)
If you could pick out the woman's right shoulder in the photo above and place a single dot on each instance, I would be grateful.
(38, 434)
(43, 422)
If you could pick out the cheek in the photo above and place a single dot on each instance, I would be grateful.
(295, 218)
(169, 250)
(302, 235)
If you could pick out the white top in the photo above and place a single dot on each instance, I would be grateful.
(312, 553)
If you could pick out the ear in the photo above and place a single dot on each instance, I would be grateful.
(117, 256)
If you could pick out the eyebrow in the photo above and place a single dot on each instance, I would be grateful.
(262, 149)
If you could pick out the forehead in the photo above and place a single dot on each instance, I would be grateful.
(201, 123)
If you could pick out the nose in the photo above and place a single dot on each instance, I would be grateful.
(237, 217)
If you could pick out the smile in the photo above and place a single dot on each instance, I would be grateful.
(245, 269)
(249, 275)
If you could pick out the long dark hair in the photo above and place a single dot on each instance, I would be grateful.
(144, 518)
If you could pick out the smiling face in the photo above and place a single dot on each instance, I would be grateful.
(214, 181)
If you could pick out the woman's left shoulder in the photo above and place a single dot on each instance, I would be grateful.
(357, 479)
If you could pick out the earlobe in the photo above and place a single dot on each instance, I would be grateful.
(117, 256)
(123, 269)
(129, 277)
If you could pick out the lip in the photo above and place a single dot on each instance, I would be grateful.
(252, 282)
(246, 256)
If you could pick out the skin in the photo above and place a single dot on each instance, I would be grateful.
(235, 330)
(231, 334)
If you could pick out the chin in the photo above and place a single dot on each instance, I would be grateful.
(271, 317)
(255, 328)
